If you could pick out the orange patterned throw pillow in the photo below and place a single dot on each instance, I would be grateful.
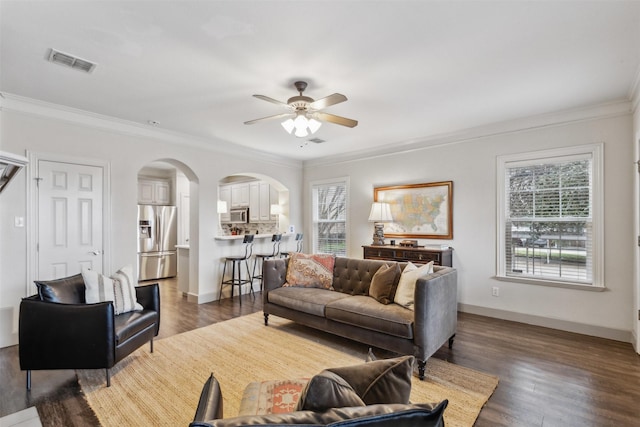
(311, 271)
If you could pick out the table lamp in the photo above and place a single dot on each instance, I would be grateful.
(380, 213)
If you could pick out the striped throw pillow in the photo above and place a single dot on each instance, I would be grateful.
(119, 288)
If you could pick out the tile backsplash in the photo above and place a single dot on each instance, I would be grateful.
(250, 228)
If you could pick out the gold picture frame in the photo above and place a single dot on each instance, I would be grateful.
(423, 211)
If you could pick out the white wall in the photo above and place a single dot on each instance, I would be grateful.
(44, 129)
(471, 165)
(635, 315)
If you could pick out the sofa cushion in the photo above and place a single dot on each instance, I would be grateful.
(406, 286)
(353, 276)
(380, 381)
(327, 390)
(365, 312)
(315, 270)
(130, 323)
(272, 396)
(68, 290)
(384, 283)
(390, 415)
(306, 300)
(119, 288)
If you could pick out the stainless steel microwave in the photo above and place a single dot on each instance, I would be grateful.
(238, 216)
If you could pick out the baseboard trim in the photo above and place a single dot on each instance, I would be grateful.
(563, 325)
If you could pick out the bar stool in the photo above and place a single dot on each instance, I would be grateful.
(276, 238)
(236, 266)
(298, 241)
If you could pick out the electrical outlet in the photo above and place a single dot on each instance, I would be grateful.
(495, 291)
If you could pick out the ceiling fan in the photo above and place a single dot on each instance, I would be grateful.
(304, 114)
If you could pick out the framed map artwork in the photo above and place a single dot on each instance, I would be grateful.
(419, 210)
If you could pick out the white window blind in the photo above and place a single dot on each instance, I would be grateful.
(330, 217)
(549, 218)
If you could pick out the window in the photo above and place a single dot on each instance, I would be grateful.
(330, 217)
(549, 206)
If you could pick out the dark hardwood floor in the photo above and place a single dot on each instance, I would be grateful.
(547, 377)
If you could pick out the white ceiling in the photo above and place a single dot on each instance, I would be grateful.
(411, 69)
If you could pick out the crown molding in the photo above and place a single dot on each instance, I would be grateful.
(611, 109)
(33, 107)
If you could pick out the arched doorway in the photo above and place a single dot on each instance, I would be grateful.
(170, 183)
(279, 207)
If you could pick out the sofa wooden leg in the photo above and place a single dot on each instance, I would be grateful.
(451, 341)
(266, 319)
(151, 344)
(108, 377)
(422, 366)
(28, 379)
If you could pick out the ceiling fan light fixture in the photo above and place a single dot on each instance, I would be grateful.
(314, 125)
(288, 125)
(301, 125)
(301, 132)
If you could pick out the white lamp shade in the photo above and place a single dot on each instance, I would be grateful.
(288, 125)
(380, 212)
(222, 207)
(314, 125)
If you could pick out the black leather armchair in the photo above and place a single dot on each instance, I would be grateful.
(62, 335)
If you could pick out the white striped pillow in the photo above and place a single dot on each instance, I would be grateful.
(119, 288)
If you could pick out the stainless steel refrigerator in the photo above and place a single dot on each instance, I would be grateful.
(157, 238)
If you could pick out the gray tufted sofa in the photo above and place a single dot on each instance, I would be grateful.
(350, 312)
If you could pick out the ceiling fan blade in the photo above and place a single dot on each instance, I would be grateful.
(325, 102)
(277, 116)
(273, 101)
(343, 121)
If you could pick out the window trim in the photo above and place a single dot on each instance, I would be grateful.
(312, 184)
(595, 152)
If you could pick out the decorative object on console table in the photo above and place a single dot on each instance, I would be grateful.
(380, 213)
(417, 255)
(423, 211)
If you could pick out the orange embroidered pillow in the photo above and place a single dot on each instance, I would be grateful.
(311, 271)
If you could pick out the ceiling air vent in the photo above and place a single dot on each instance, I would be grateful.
(74, 62)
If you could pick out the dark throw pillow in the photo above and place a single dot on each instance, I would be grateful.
(68, 290)
(325, 391)
(384, 283)
(380, 381)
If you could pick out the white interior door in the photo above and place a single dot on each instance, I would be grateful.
(70, 223)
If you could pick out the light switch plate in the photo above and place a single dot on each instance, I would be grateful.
(18, 221)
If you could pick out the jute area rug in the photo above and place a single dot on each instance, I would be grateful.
(162, 388)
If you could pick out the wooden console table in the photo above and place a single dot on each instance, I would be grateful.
(417, 255)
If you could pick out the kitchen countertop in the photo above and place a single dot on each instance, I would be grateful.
(241, 236)
(182, 246)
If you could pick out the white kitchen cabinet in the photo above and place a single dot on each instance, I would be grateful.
(265, 202)
(254, 202)
(261, 196)
(154, 192)
(273, 200)
(240, 195)
(225, 195)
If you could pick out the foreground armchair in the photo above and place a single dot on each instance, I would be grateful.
(59, 330)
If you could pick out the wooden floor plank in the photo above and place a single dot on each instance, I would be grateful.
(547, 377)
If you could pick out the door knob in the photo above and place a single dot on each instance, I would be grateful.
(95, 252)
